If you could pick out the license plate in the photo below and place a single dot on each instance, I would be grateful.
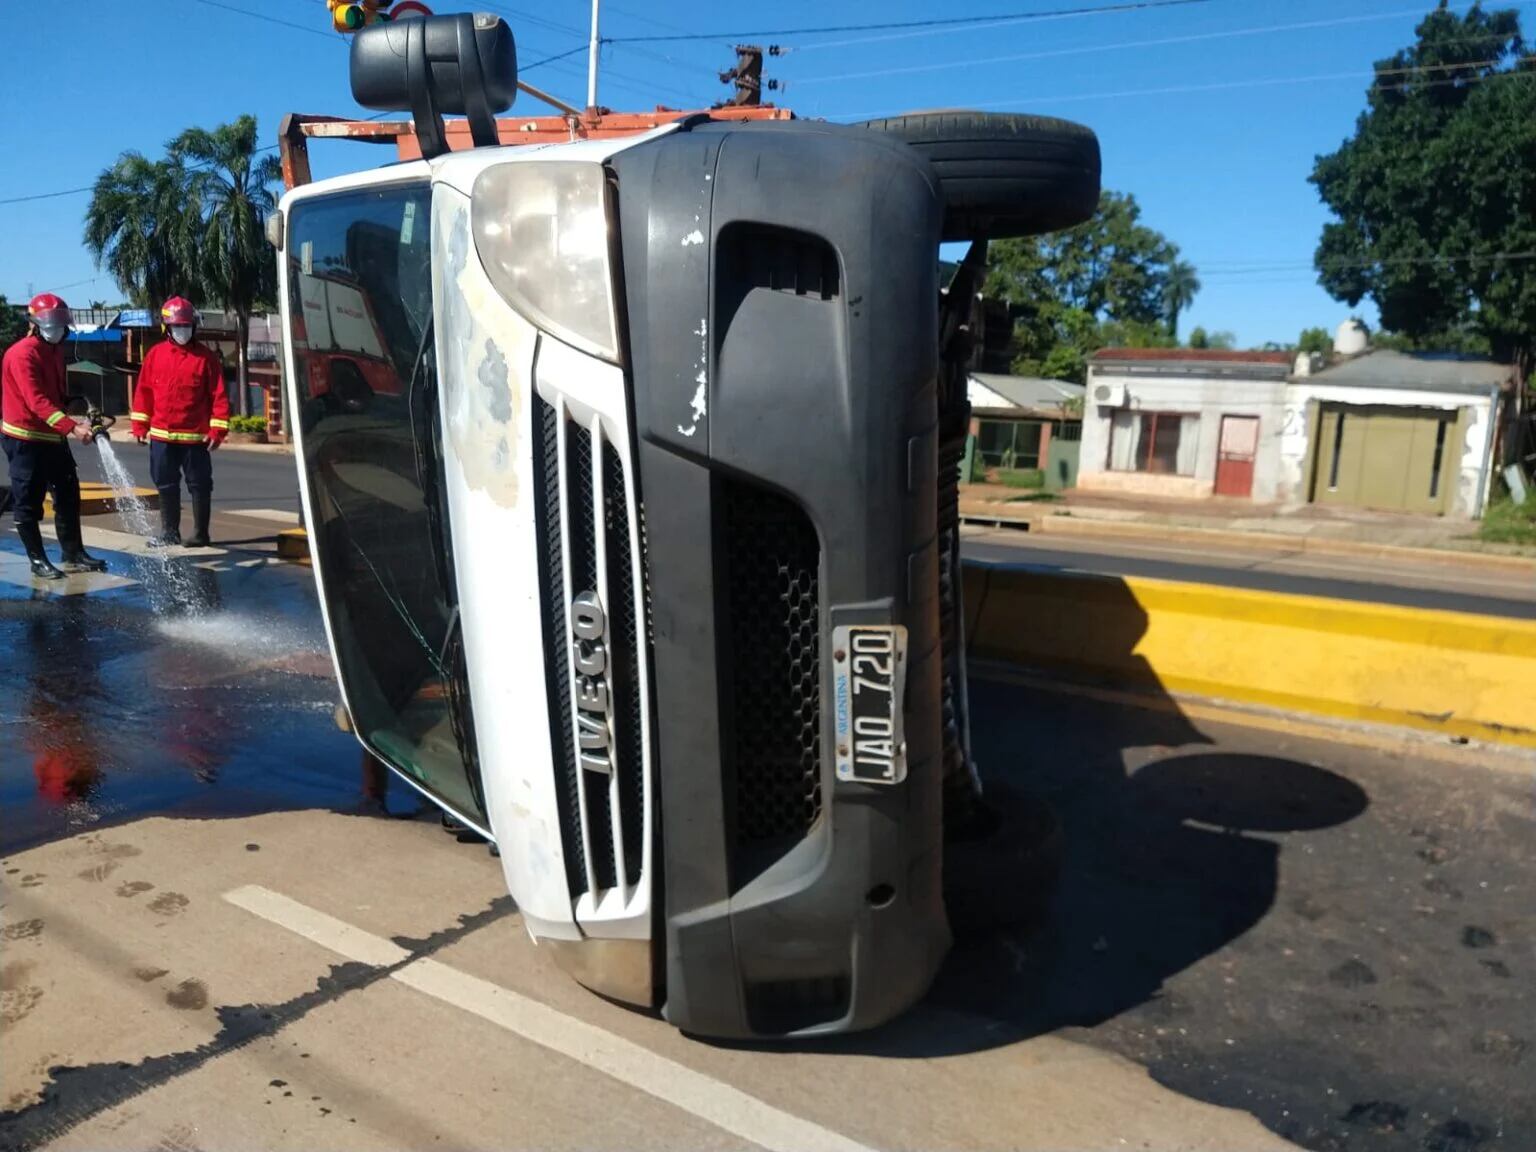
(869, 678)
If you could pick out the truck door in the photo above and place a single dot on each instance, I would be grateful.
(359, 290)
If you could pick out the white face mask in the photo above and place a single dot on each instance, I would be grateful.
(53, 333)
(182, 335)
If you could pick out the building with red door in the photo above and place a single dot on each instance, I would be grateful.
(1184, 422)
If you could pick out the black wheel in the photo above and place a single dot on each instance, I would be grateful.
(1004, 174)
(1002, 866)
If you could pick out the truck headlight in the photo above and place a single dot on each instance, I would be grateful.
(542, 232)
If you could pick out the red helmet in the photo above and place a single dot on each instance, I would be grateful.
(178, 312)
(48, 309)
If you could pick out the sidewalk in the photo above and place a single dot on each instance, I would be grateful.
(1303, 528)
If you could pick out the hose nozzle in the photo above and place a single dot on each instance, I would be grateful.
(98, 423)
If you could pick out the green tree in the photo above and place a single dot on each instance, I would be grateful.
(1199, 338)
(1315, 340)
(1101, 284)
(1435, 194)
(234, 183)
(143, 225)
(1179, 293)
(13, 323)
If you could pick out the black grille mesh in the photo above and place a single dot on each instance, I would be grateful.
(771, 559)
(625, 631)
(571, 496)
(547, 503)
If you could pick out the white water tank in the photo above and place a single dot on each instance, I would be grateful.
(1351, 339)
(1303, 365)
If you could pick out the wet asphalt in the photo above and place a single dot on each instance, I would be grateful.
(1340, 940)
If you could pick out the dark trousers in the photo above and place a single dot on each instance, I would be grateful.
(39, 468)
(169, 462)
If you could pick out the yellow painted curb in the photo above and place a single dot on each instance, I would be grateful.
(1448, 672)
(293, 544)
(100, 499)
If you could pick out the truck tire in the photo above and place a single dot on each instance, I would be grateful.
(1004, 174)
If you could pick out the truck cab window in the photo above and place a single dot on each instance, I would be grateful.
(359, 275)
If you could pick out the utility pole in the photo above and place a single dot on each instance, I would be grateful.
(592, 51)
(747, 76)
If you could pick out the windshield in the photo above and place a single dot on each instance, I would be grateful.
(360, 296)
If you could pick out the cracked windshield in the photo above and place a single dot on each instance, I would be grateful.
(833, 577)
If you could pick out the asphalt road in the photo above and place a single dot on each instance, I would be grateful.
(1261, 936)
(241, 479)
(1451, 585)
(265, 481)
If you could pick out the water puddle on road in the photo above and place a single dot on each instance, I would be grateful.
(207, 693)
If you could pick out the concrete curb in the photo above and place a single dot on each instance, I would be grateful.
(1058, 525)
(1452, 673)
(101, 499)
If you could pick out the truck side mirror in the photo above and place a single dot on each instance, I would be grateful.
(435, 65)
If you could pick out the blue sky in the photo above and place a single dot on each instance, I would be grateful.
(1210, 112)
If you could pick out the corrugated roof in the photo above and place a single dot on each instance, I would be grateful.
(1190, 356)
(1425, 371)
(1028, 391)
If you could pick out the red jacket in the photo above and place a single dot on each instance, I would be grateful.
(180, 398)
(32, 395)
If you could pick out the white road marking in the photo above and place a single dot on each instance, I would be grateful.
(714, 1101)
(326, 931)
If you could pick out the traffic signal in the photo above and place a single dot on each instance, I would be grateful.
(353, 15)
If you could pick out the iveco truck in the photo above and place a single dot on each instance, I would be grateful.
(635, 521)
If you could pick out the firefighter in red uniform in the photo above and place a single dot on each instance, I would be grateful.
(181, 406)
(36, 434)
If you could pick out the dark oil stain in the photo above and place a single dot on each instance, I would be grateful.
(1501, 1047)
(1474, 937)
(253, 847)
(1353, 973)
(1308, 909)
(1457, 1135)
(1497, 968)
(12, 871)
(1381, 1115)
(33, 879)
(189, 995)
(14, 975)
(98, 873)
(149, 975)
(22, 930)
(287, 1093)
(1440, 886)
(325, 1111)
(133, 887)
(169, 904)
(277, 1083)
(120, 851)
(75, 1095)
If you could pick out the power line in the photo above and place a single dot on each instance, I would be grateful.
(265, 19)
(47, 195)
(1227, 86)
(947, 22)
(1163, 41)
(521, 68)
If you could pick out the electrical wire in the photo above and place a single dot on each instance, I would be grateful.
(944, 22)
(1228, 86)
(1164, 41)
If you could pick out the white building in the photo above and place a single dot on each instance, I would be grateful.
(1184, 422)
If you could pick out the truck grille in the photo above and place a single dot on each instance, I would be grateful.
(583, 518)
(771, 558)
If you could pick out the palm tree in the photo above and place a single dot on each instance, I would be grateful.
(142, 225)
(233, 181)
(1179, 292)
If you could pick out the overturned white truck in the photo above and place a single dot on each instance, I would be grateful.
(632, 501)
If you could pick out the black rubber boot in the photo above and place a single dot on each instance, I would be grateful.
(72, 549)
(202, 510)
(37, 559)
(170, 520)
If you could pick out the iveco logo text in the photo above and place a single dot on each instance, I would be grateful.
(590, 672)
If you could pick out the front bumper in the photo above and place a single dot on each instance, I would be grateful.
(781, 292)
